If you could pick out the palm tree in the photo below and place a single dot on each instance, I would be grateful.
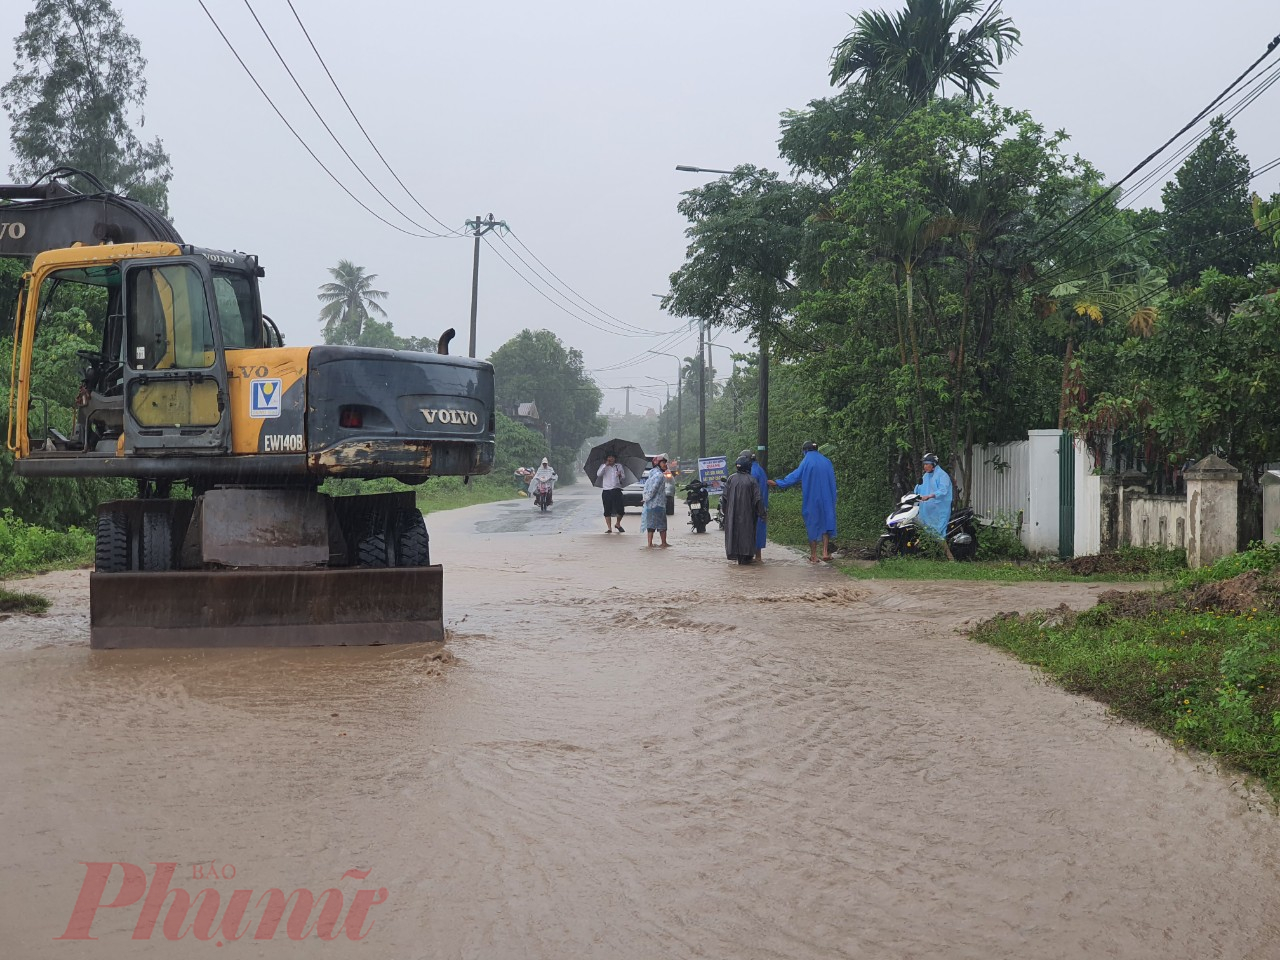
(916, 52)
(348, 299)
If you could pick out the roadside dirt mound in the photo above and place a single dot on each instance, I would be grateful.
(1243, 594)
(1107, 563)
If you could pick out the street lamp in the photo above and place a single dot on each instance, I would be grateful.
(685, 168)
(762, 411)
(702, 387)
(679, 419)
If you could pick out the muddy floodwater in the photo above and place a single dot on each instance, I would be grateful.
(620, 753)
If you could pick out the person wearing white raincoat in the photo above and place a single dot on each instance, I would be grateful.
(544, 472)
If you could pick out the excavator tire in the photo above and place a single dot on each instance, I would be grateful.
(157, 543)
(111, 546)
(371, 545)
(413, 545)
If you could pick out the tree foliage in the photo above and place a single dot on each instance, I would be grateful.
(78, 77)
(348, 300)
(1208, 217)
(940, 273)
(915, 53)
(535, 366)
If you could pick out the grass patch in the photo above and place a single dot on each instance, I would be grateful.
(433, 495)
(1199, 662)
(25, 548)
(449, 493)
(12, 601)
(1002, 571)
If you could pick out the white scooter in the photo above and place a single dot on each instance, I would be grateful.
(902, 531)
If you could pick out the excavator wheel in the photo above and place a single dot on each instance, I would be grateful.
(371, 545)
(111, 547)
(157, 543)
(413, 545)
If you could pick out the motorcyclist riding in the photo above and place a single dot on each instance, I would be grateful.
(544, 474)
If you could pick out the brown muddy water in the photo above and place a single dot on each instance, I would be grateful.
(620, 753)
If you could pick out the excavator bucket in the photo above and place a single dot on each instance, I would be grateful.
(266, 608)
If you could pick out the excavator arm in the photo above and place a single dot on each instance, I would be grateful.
(49, 216)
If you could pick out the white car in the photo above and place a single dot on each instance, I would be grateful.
(633, 494)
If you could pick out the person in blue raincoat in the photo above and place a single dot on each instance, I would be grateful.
(935, 495)
(762, 481)
(817, 479)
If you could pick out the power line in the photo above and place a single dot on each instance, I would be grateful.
(297, 136)
(345, 103)
(599, 312)
(1097, 201)
(1265, 82)
(329, 130)
(581, 319)
(630, 330)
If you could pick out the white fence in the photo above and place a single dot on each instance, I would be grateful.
(1001, 484)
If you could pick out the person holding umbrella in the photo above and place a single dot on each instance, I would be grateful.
(612, 479)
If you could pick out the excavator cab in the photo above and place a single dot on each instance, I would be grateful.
(158, 381)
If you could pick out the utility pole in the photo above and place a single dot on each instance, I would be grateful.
(702, 389)
(679, 395)
(478, 228)
(762, 415)
(626, 410)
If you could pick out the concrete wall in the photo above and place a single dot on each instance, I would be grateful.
(1157, 521)
(1271, 506)
(1212, 511)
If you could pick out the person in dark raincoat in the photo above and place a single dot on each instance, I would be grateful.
(743, 508)
(817, 479)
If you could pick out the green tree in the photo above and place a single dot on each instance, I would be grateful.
(918, 51)
(375, 333)
(78, 76)
(535, 366)
(348, 298)
(1208, 216)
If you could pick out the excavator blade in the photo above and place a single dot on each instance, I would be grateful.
(266, 608)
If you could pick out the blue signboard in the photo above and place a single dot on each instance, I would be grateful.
(713, 471)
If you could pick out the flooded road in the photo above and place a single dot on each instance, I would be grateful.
(621, 753)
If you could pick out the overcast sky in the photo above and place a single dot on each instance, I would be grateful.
(566, 120)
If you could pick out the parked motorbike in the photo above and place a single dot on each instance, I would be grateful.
(542, 495)
(698, 500)
(903, 528)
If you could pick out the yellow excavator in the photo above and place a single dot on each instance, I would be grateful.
(192, 385)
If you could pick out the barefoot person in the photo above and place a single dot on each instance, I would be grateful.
(743, 509)
(612, 479)
(817, 479)
(653, 511)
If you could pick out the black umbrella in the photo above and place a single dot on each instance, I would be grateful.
(628, 453)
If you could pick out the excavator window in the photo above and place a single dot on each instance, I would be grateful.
(168, 319)
(170, 330)
(237, 312)
(78, 310)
